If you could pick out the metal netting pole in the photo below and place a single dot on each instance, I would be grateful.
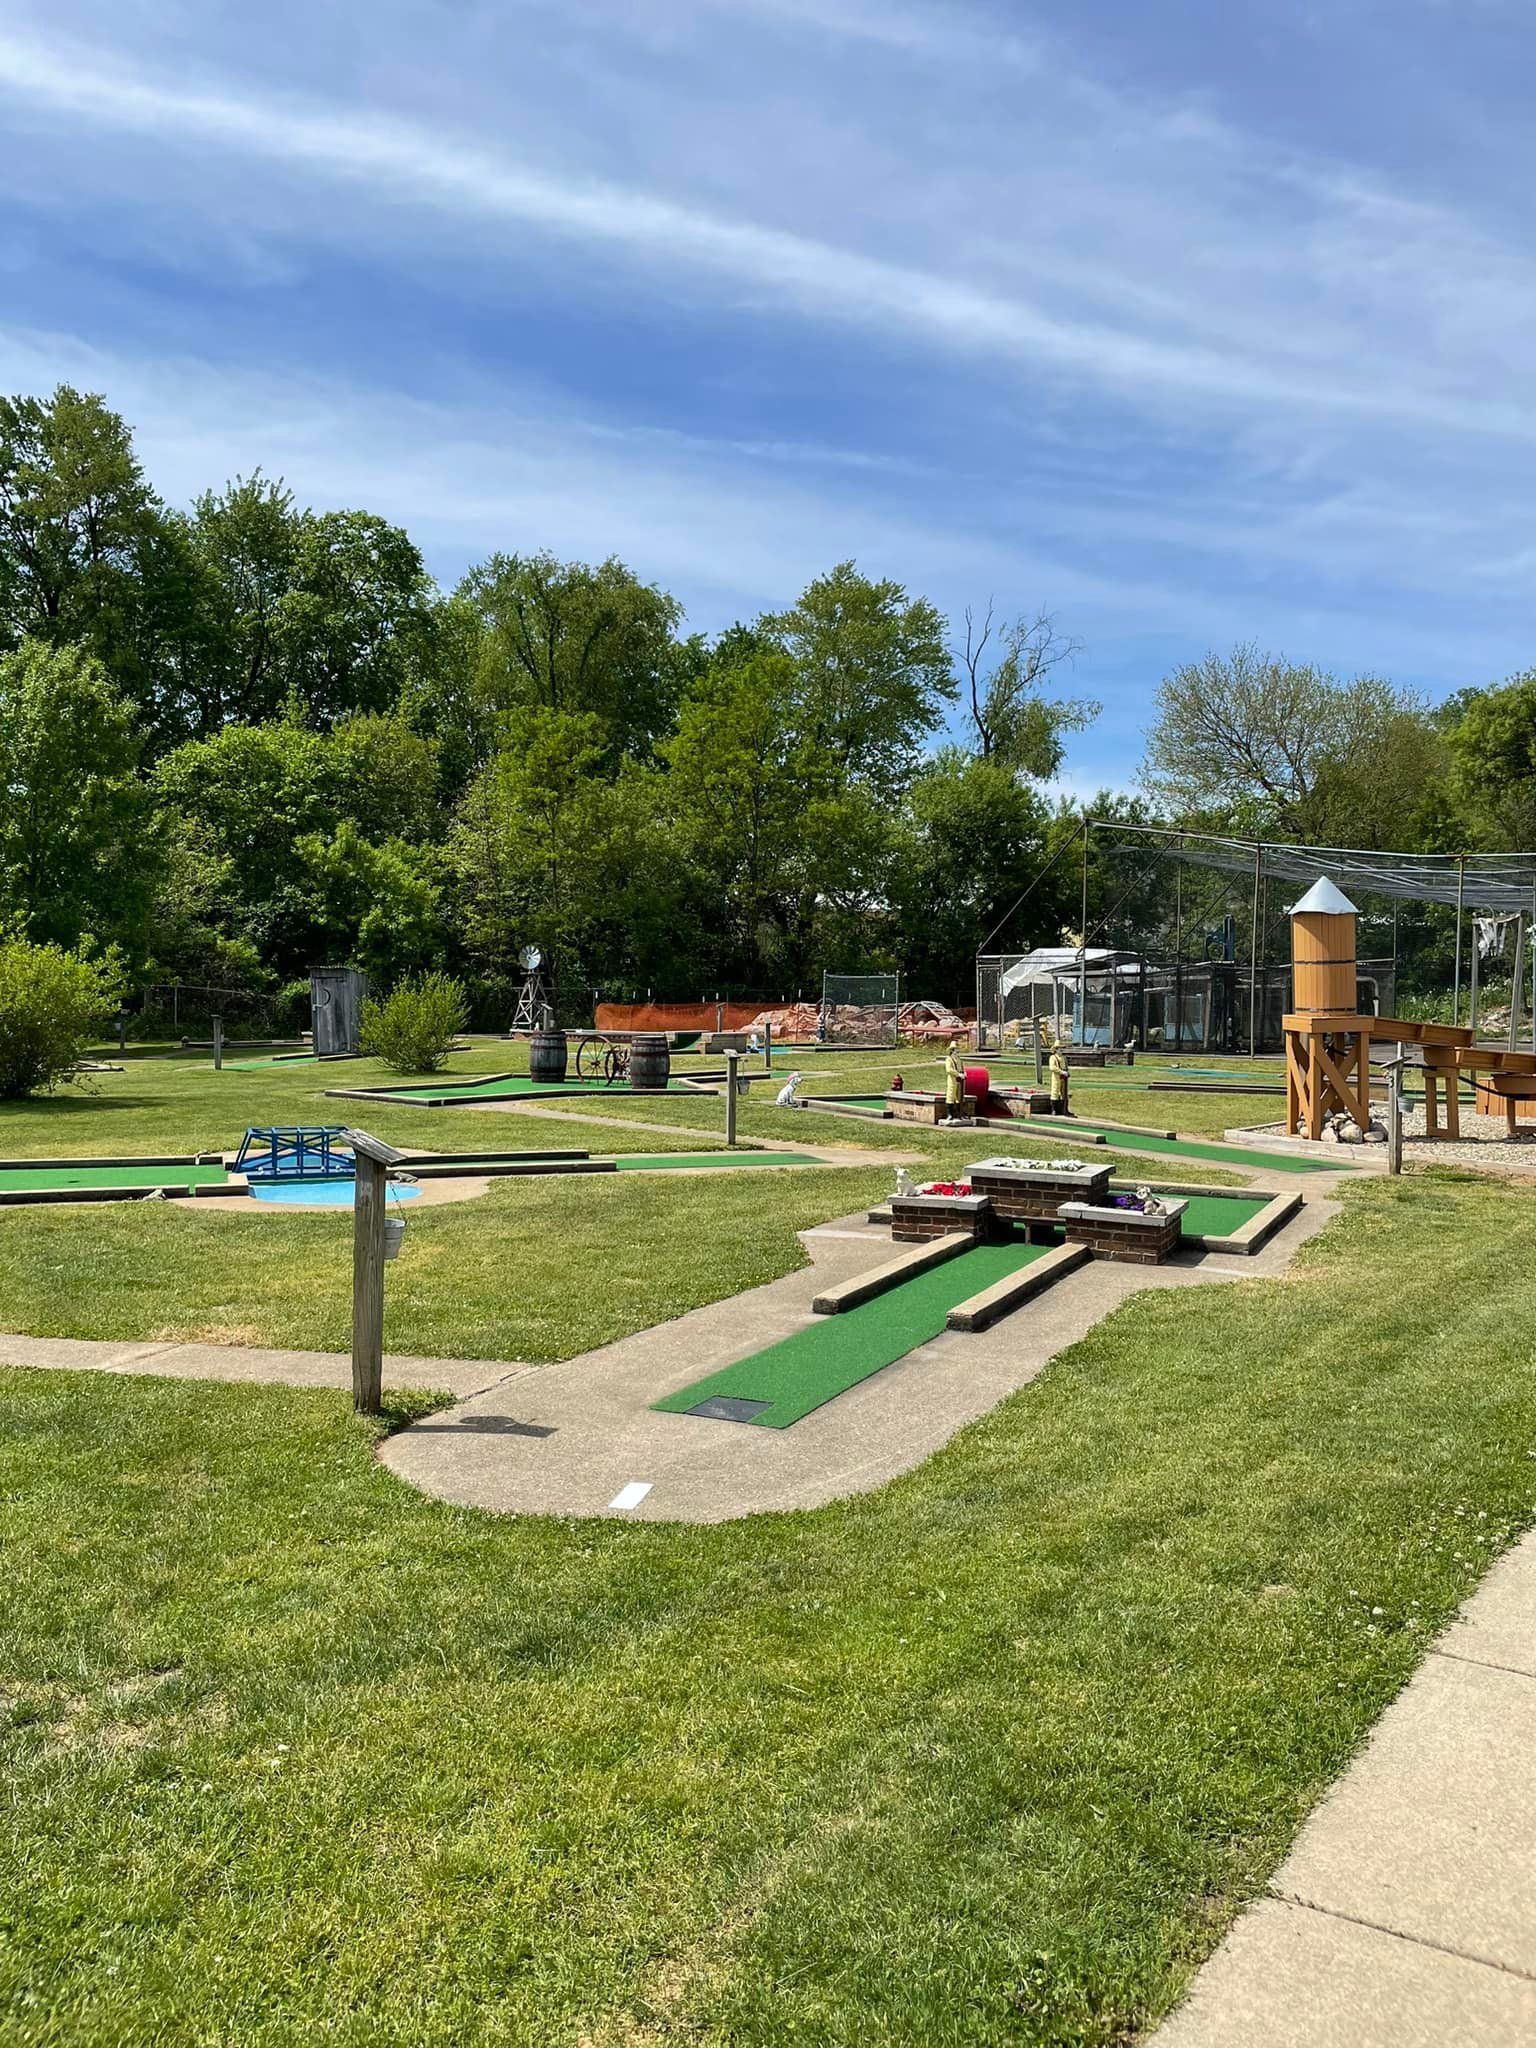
(1461, 886)
(1082, 965)
(1256, 942)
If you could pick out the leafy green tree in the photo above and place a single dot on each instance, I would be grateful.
(77, 844)
(741, 779)
(580, 641)
(378, 904)
(1271, 746)
(52, 1002)
(385, 778)
(89, 557)
(245, 539)
(355, 621)
(249, 793)
(874, 674)
(549, 851)
(1493, 745)
(1005, 664)
(443, 699)
(973, 840)
(74, 509)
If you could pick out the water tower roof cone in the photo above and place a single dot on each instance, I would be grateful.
(1326, 899)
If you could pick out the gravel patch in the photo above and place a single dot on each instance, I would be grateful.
(1484, 1142)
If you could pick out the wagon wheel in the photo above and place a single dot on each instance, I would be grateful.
(589, 1059)
(616, 1064)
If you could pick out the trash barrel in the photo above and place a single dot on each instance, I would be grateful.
(650, 1063)
(547, 1056)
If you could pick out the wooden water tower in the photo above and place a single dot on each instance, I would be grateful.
(1324, 969)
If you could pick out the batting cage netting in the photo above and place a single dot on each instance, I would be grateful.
(859, 1009)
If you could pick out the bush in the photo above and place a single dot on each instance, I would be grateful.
(414, 1026)
(52, 1004)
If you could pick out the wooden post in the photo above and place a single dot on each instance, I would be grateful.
(1395, 1112)
(218, 1044)
(373, 1159)
(768, 1047)
(731, 1059)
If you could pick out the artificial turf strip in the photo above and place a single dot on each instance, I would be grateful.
(668, 1162)
(1218, 1215)
(24, 1180)
(804, 1371)
(1192, 1148)
(514, 1087)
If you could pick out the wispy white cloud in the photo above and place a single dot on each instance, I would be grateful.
(408, 165)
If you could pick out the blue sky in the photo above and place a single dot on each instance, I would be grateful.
(1188, 323)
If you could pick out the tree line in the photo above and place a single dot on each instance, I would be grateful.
(242, 737)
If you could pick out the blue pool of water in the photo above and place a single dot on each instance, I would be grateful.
(320, 1194)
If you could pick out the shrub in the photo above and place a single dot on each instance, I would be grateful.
(52, 1004)
(414, 1026)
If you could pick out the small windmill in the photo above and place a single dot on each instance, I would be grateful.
(532, 1009)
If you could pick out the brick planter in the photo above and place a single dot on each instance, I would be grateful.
(1124, 1234)
(1030, 1194)
(916, 1219)
(921, 1106)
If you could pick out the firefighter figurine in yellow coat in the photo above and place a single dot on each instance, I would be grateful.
(954, 1080)
(1061, 1082)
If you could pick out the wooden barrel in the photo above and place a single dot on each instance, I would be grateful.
(1323, 966)
(547, 1056)
(650, 1063)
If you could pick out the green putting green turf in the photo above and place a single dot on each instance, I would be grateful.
(1192, 1148)
(446, 1092)
(1218, 1215)
(669, 1162)
(27, 1180)
(801, 1372)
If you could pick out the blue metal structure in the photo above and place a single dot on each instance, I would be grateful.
(298, 1152)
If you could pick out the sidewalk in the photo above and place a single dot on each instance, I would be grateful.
(1405, 1916)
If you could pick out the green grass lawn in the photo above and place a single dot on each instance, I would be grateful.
(990, 1756)
(164, 1102)
(536, 1269)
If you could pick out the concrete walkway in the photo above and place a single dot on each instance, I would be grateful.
(582, 1437)
(1405, 1916)
(234, 1362)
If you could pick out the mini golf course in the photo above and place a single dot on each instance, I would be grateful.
(1118, 1137)
(778, 1386)
(501, 1088)
(99, 1179)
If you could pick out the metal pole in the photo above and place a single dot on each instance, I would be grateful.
(218, 1044)
(1461, 890)
(1517, 983)
(768, 1046)
(1257, 942)
(1178, 952)
(1473, 978)
(1082, 965)
(731, 1059)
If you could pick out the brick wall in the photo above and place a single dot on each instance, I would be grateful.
(1133, 1243)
